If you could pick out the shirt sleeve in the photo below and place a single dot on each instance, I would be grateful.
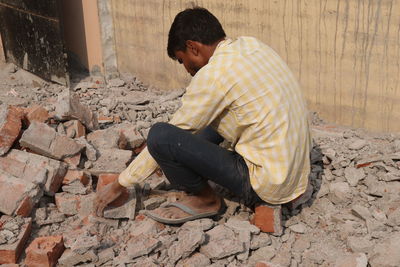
(201, 104)
(139, 169)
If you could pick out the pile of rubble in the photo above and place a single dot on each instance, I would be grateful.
(64, 148)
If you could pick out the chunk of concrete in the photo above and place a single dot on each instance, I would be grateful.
(221, 243)
(68, 107)
(188, 241)
(17, 196)
(107, 139)
(111, 161)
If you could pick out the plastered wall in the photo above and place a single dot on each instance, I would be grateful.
(345, 53)
(82, 32)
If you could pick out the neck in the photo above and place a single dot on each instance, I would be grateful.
(209, 49)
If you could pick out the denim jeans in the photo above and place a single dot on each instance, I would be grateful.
(189, 160)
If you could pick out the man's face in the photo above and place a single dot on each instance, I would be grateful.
(193, 62)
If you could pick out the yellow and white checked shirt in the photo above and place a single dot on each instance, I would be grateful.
(247, 93)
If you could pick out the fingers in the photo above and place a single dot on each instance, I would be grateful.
(100, 206)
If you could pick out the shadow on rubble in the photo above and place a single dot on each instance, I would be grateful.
(315, 179)
(235, 207)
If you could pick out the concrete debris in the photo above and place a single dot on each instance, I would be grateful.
(221, 242)
(69, 107)
(111, 161)
(350, 215)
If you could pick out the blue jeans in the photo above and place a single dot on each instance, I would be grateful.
(189, 160)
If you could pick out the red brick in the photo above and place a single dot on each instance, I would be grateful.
(75, 129)
(22, 170)
(104, 119)
(55, 169)
(10, 253)
(44, 140)
(14, 193)
(268, 218)
(107, 178)
(35, 113)
(25, 208)
(44, 251)
(74, 160)
(266, 264)
(72, 175)
(10, 127)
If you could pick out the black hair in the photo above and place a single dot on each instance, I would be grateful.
(196, 24)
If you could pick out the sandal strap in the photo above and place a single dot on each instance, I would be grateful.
(182, 207)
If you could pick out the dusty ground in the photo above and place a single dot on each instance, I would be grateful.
(353, 217)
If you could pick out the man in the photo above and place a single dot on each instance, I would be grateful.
(241, 92)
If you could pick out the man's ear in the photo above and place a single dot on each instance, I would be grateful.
(193, 47)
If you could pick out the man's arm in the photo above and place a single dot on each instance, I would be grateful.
(139, 169)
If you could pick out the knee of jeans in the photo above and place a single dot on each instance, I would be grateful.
(158, 132)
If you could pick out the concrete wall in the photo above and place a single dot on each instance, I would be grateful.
(346, 53)
(82, 32)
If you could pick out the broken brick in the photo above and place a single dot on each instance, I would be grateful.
(17, 195)
(20, 169)
(75, 129)
(72, 175)
(268, 218)
(55, 169)
(44, 251)
(108, 178)
(10, 253)
(10, 127)
(127, 210)
(35, 113)
(44, 140)
(73, 161)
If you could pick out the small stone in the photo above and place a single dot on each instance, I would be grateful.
(361, 212)
(359, 244)
(298, 228)
(260, 240)
(203, 224)
(354, 260)
(221, 243)
(238, 225)
(357, 144)
(187, 242)
(353, 175)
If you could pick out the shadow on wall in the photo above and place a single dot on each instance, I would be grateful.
(74, 34)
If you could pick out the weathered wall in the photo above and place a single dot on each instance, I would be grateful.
(2, 58)
(346, 53)
(82, 32)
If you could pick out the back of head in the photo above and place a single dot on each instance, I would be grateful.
(196, 24)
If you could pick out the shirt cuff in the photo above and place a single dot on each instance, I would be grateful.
(139, 169)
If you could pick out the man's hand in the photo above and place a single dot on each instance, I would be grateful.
(106, 195)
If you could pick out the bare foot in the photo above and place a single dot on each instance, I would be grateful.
(205, 201)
